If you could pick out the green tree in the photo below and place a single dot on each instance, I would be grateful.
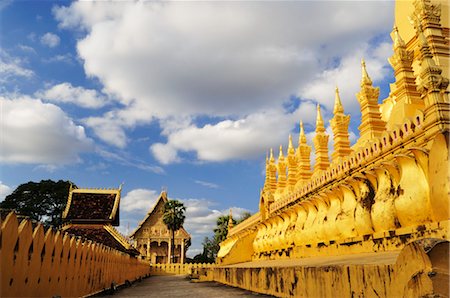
(211, 245)
(42, 201)
(173, 218)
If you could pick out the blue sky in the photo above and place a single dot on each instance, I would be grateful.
(187, 96)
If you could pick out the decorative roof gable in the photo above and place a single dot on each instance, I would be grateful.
(155, 215)
(93, 206)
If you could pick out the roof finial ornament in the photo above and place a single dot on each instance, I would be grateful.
(281, 156)
(291, 149)
(302, 136)
(319, 121)
(398, 41)
(230, 221)
(365, 76)
(338, 108)
(271, 158)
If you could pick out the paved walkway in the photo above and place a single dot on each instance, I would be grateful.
(181, 286)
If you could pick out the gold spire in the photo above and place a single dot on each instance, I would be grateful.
(281, 155)
(432, 85)
(266, 181)
(338, 108)
(339, 124)
(290, 146)
(404, 95)
(271, 158)
(365, 80)
(302, 136)
(320, 144)
(272, 169)
(319, 121)
(371, 124)
(281, 183)
(397, 39)
(303, 158)
(292, 164)
(230, 221)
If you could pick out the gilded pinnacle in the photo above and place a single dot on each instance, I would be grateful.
(365, 76)
(319, 122)
(281, 156)
(290, 146)
(338, 108)
(302, 137)
(271, 158)
(398, 41)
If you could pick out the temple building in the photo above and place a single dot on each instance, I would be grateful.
(153, 240)
(92, 214)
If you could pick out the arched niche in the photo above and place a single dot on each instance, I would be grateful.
(383, 213)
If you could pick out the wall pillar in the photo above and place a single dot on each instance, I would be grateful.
(169, 251)
(182, 251)
(148, 249)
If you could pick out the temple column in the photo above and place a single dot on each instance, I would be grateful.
(182, 251)
(169, 254)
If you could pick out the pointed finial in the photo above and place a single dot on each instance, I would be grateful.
(422, 39)
(338, 108)
(230, 221)
(271, 158)
(302, 136)
(291, 149)
(281, 152)
(365, 76)
(319, 120)
(398, 41)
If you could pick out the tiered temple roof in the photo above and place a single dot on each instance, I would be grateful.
(93, 207)
(92, 213)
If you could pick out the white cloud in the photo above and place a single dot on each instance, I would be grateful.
(249, 137)
(34, 132)
(66, 58)
(207, 184)
(201, 58)
(225, 60)
(129, 161)
(141, 200)
(4, 4)
(4, 191)
(12, 67)
(50, 39)
(66, 93)
(26, 48)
